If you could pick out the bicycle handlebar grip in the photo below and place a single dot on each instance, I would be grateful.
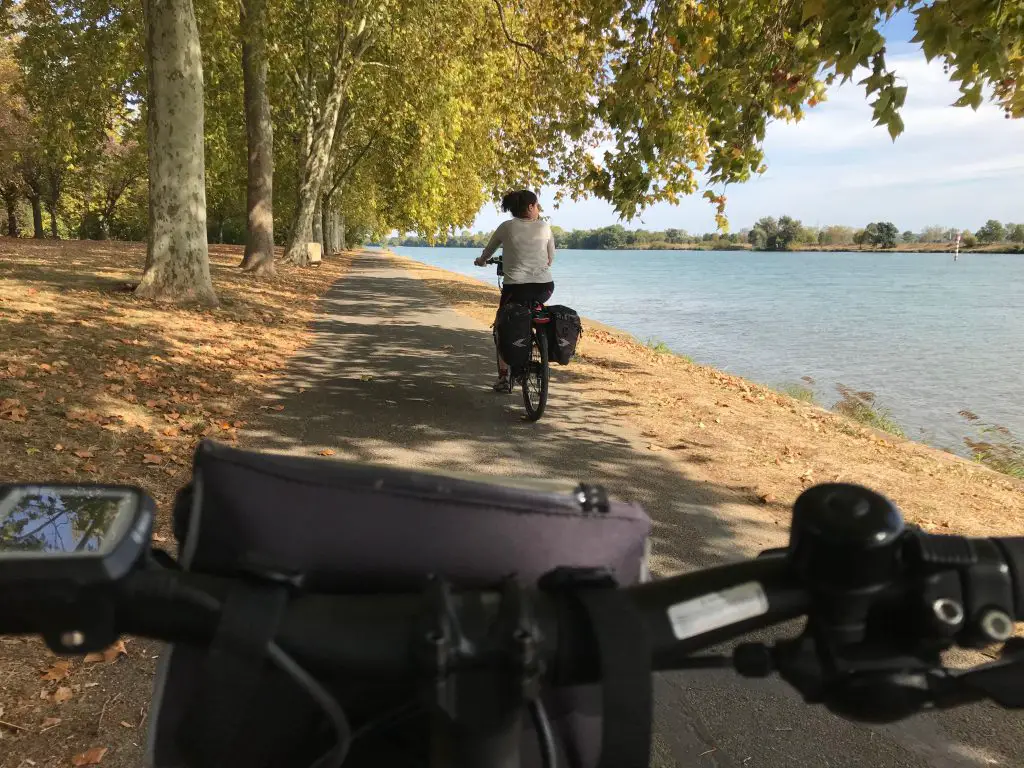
(1013, 550)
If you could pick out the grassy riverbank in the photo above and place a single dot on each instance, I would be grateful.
(746, 435)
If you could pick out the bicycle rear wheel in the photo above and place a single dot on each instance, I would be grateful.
(535, 382)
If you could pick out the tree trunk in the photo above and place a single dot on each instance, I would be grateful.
(319, 156)
(327, 226)
(54, 185)
(342, 243)
(177, 260)
(318, 223)
(37, 217)
(10, 196)
(51, 209)
(259, 128)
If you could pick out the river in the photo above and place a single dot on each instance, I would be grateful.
(929, 336)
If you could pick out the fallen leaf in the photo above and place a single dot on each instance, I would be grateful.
(58, 671)
(170, 431)
(110, 655)
(766, 498)
(152, 458)
(277, 407)
(90, 467)
(93, 756)
(326, 452)
(159, 538)
(62, 694)
(58, 447)
(50, 722)
(84, 454)
(126, 724)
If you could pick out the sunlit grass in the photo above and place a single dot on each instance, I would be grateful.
(798, 392)
(656, 345)
(862, 408)
(996, 447)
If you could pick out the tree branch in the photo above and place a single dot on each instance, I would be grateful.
(508, 36)
(343, 176)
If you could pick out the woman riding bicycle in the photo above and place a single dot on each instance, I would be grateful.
(528, 250)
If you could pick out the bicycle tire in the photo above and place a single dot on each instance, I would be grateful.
(541, 368)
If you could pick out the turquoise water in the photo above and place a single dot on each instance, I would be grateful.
(928, 336)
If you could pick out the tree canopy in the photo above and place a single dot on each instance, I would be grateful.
(408, 115)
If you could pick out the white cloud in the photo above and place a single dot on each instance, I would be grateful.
(951, 165)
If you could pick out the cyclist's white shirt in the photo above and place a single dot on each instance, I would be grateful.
(527, 250)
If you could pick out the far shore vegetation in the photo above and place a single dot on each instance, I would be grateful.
(768, 234)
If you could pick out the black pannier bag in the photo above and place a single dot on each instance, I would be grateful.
(513, 329)
(364, 528)
(564, 333)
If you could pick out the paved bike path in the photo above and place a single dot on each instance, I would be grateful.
(393, 375)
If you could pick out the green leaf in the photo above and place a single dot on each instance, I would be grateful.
(895, 126)
(899, 96)
(812, 8)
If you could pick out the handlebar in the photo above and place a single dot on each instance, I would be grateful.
(345, 633)
(882, 602)
(933, 592)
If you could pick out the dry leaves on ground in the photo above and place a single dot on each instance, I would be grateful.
(58, 671)
(109, 655)
(99, 386)
(93, 756)
(63, 694)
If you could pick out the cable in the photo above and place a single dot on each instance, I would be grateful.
(388, 719)
(545, 736)
(334, 757)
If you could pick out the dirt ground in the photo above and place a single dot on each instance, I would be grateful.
(745, 435)
(97, 385)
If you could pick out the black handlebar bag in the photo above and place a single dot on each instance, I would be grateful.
(362, 528)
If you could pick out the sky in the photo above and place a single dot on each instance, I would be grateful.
(952, 166)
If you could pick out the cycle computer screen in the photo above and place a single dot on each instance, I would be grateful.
(69, 520)
(79, 533)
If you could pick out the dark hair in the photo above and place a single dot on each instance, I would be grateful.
(516, 203)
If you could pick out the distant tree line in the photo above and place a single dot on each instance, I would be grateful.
(614, 237)
(768, 234)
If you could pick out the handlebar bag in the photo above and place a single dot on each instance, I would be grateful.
(362, 528)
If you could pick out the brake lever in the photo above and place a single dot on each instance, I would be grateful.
(1001, 681)
(884, 689)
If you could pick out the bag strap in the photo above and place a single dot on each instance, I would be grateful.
(233, 671)
(624, 656)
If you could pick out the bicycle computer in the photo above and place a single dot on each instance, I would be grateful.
(78, 535)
